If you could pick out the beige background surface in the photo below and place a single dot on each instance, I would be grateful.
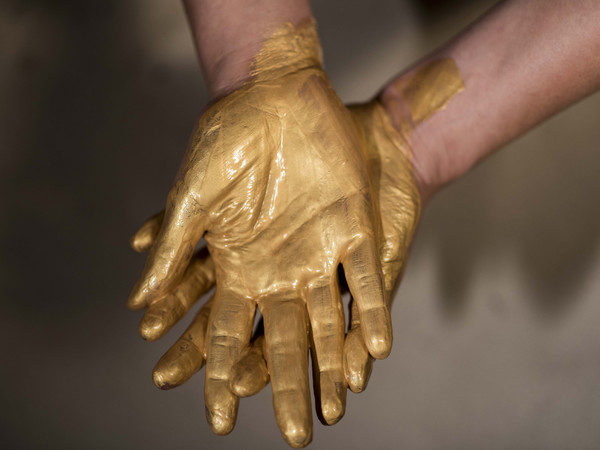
(497, 336)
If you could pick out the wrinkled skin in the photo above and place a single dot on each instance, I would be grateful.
(390, 169)
(275, 178)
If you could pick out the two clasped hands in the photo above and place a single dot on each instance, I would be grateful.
(286, 184)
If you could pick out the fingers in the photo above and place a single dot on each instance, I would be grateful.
(161, 315)
(327, 325)
(286, 349)
(229, 331)
(169, 256)
(186, 357)
(250, 373)
(357, 361)
(362, 269)
(143, 238)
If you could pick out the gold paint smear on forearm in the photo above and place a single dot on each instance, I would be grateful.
(431, 88)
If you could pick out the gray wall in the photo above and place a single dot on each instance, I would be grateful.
(497, 343)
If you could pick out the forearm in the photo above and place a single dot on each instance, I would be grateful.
(229, 33)
(520, 63)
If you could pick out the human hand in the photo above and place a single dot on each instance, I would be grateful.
(188, 354)
(390, 169)
(276, 176)
(392, 174)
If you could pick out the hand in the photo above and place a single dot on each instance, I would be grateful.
(276, 175)
(187, 355)
(391, 173)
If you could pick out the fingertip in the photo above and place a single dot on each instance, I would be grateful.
(143, 238)
(140, 243)
(377, 332)
(169, 373)
(357, 361)
(357, 381)
(177, 365)
(332, 390)
(221, 408)
(297, 436)
(247, 384)
(379, 345)
(220, 421)
(358, 374)
(249, 374)
(152, 327)
(162, 380)
(136, 299)
(333, 409)
(240, 387)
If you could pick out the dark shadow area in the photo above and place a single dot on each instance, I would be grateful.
(533, 204)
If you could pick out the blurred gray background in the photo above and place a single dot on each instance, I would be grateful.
(497, 336)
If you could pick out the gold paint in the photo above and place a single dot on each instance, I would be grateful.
(423, 93)
(163, 314)
(389, 157)
(186, 357)
(430, 88)
(250, 373)
(276, 178)
(391, 170)
(144, 238)
(284, 158)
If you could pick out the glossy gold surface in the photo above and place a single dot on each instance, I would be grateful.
(276, 178)
(419, 95)
(187, 355)
(390, 165)
(391, 172)
(389, 159)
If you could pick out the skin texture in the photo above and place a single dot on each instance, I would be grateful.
(276, 176)
(229, 33)
(520, 63)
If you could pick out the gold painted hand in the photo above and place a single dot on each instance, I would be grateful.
(276, 176)
(188, 354)
(390, 169)
(392, 175)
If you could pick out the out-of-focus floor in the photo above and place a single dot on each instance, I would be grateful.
(497, 336)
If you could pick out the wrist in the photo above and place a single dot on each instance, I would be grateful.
(228, 72)
(428, 171)
(288, 49)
